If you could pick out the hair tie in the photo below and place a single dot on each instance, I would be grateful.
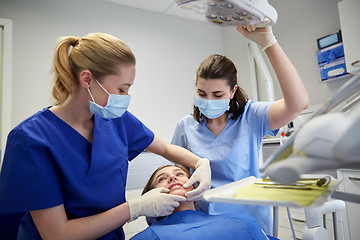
(76, 42)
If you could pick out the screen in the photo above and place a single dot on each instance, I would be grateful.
(329, 40)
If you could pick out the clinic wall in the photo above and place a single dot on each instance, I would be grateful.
(299, 24)
(168, 51)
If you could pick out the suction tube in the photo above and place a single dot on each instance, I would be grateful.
(231, 12)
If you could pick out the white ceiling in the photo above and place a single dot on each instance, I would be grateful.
(161, 6)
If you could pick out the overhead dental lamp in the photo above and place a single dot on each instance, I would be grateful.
(231, 12)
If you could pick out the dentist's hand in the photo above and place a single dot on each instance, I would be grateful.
(154, 203)
(262, 36)
(202, 174)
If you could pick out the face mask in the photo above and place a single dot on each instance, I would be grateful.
(115, 107)
(212, 108)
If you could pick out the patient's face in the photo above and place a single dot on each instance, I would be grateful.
(172, 178)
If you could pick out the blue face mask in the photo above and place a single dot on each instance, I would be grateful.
(115, 107)
(212, 108)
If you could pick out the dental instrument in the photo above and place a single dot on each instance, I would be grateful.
(231, 12)
(320, 182)
(287, 187)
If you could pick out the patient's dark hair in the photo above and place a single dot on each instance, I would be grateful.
(150, 185)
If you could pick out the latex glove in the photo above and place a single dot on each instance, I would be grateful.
(262, 36)
(202, 174)
(155, 203)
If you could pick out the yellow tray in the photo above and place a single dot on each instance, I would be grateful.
(245, 191)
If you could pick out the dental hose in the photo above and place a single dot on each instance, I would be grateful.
(290, 222)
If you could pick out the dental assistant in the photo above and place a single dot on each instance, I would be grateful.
(65, 167)
(227, 128)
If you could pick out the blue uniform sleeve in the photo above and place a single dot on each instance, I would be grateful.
(258, 118)
(138, 135)
(29, 179)
(179, 135)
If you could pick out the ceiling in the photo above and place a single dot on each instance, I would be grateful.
(161, 6)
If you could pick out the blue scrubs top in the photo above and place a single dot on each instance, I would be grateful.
(195, 225)
(233, 154)
(48, 163)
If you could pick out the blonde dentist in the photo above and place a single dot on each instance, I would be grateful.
(65, 167)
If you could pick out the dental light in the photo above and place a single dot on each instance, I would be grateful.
(231, 12)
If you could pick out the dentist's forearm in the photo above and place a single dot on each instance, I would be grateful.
(294, 92)
(52, 223)
(181, 156)
(173, 153)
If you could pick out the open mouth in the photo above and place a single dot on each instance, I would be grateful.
(175, 186)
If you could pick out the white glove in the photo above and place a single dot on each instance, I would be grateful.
(202, 174)
(154, 203)
(262, 36)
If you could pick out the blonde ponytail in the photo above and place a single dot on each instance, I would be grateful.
(64, 78)
(99, 53)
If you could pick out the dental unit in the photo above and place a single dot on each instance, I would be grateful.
(329, 140)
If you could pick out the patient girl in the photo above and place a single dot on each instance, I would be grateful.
(187, 223)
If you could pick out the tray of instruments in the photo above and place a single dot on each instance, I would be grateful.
(311, 190)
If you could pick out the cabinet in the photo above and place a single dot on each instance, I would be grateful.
(350, 184)
(350, 30)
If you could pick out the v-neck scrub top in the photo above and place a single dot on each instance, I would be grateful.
(47, 163)
(233, 154)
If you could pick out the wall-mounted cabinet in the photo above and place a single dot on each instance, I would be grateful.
(350, 29)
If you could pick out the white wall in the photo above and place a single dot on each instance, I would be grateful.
(168, 51)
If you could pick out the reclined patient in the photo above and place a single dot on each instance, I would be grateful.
(188, 223)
